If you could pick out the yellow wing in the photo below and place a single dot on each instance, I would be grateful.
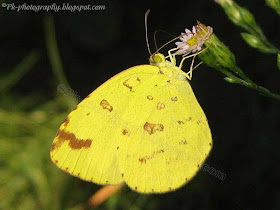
(86, 143)
(140, 127)
(168, 137)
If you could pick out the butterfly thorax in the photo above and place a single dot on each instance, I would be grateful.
(166, 67)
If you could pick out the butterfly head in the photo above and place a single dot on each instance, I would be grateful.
(156, 59)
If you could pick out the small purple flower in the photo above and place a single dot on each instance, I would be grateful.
(192, 41)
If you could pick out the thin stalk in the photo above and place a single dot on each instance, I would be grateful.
(54, 57)
(260, 89)
(19, 71)
(53, 52)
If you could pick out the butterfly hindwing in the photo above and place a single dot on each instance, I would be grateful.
(170, 140)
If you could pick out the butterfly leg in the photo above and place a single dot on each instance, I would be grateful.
(193, 55)
(189, 74)
(172, 56)
(193, 68)
(184, 58)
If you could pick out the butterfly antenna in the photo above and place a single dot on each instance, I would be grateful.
(167, 43)
(146, 29)
(155, 40)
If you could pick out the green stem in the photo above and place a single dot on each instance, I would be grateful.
(240, 73)
(273, 49)
(260, 89)
(53, 52)
(250, 85)
(19, 71)
(54, 57)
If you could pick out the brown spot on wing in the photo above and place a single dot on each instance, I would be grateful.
(57, 133)
(74, 142)
(53, 146)
(189, 119)
(174, 98)
(66, 121)
(127, 85)
(146, 158)
(181, 122)
(160, 106)
(183, 142)
(105, 105)
(88, 113)
(142, 160)
(152, 128)
(138, 79)
(124, 132)
(150, 97)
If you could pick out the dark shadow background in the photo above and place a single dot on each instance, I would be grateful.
(96, 45)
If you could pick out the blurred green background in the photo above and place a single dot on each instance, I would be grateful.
(94, 46)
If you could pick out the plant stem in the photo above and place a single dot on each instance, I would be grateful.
(250, 85)
(261, 90)
(54, 57)
(19, 71)
(240, 73)
(53, 52)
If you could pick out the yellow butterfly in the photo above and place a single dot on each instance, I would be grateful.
(143, 127)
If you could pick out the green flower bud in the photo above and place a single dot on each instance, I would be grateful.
(240, 16)
(230, 80)
(217, 55)
(243, 18)
(274, 4)
(255, 42)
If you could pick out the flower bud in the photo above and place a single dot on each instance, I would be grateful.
(217, 55)
(255, 42)
(274, 4)
(230, 80)
(240, 16)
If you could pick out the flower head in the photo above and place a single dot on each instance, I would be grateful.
(192, 41)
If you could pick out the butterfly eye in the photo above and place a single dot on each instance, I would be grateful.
(157, 58)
